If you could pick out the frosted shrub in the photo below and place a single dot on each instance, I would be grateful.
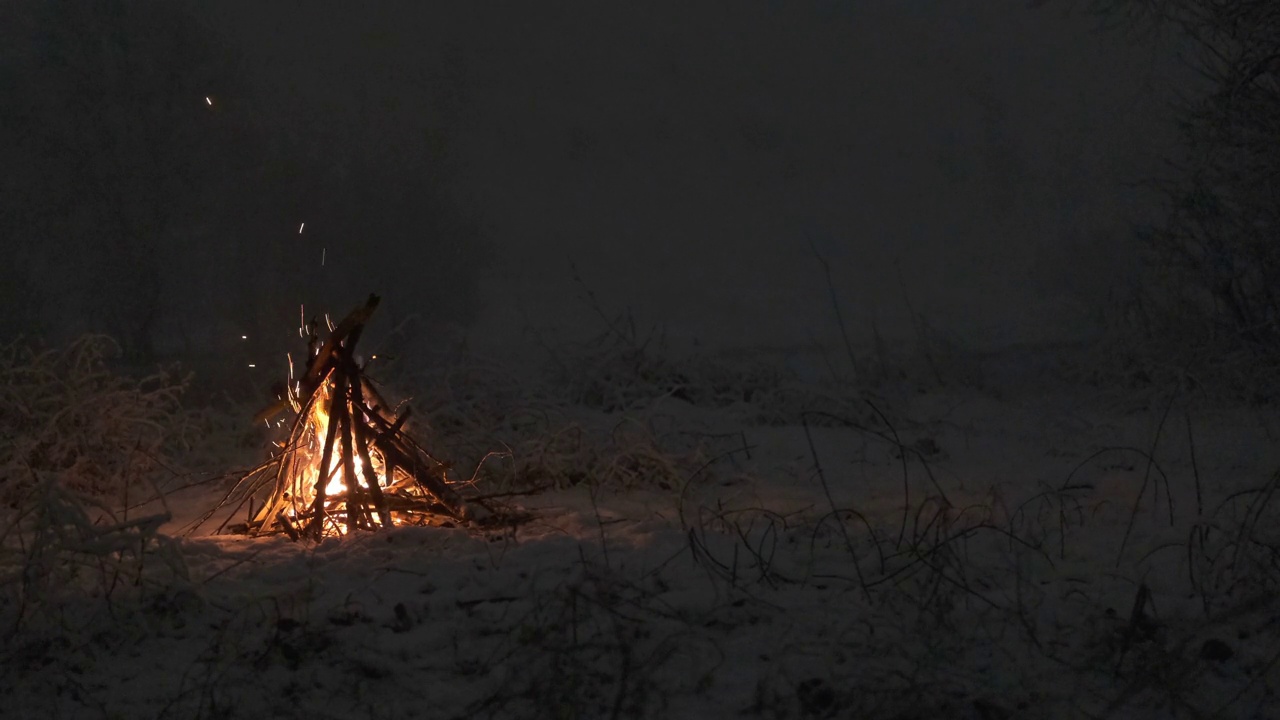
(65, 561)
(67, 416)
(76, 438)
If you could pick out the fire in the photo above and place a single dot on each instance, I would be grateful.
(334, 477)
(348, 463)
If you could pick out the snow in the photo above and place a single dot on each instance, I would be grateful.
(753, 589)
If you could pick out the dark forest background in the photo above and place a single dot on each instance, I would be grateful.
(150, 194)
(1007, 174)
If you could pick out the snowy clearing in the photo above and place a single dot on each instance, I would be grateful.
(1025, 550)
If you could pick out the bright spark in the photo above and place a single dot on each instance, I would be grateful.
(252, 365)
(208, 100)
(244, 337)
(300, 228)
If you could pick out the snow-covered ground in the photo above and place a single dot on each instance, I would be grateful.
(1014, 546)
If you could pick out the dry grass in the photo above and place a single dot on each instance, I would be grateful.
(68, 416)
(79, 441)
(517, 435)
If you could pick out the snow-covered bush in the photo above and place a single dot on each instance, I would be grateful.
(525, 435)
(77, 441)
(67, 560)
(67, 416)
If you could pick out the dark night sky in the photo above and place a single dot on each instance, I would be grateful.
(684, 155)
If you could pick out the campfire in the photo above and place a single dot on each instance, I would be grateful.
(347, 463)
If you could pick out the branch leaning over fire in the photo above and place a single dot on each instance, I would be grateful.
(316, 371)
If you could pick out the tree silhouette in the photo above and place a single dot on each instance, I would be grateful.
(115, 156)
(153, 192)
(1219, 246)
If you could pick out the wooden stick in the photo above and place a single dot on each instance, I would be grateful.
(362, 446)
(399, 423)
(313, 378)
(422, 473)
(354, 501)
(283, 464)
(382, 407)
(339, 391)
(288, 526)
(359, 513)
(352, 321)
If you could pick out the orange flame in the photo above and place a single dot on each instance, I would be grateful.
(309, 474)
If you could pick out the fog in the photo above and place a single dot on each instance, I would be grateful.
(969, 160)
(510, 170)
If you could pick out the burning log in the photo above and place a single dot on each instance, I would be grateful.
(348, 463)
